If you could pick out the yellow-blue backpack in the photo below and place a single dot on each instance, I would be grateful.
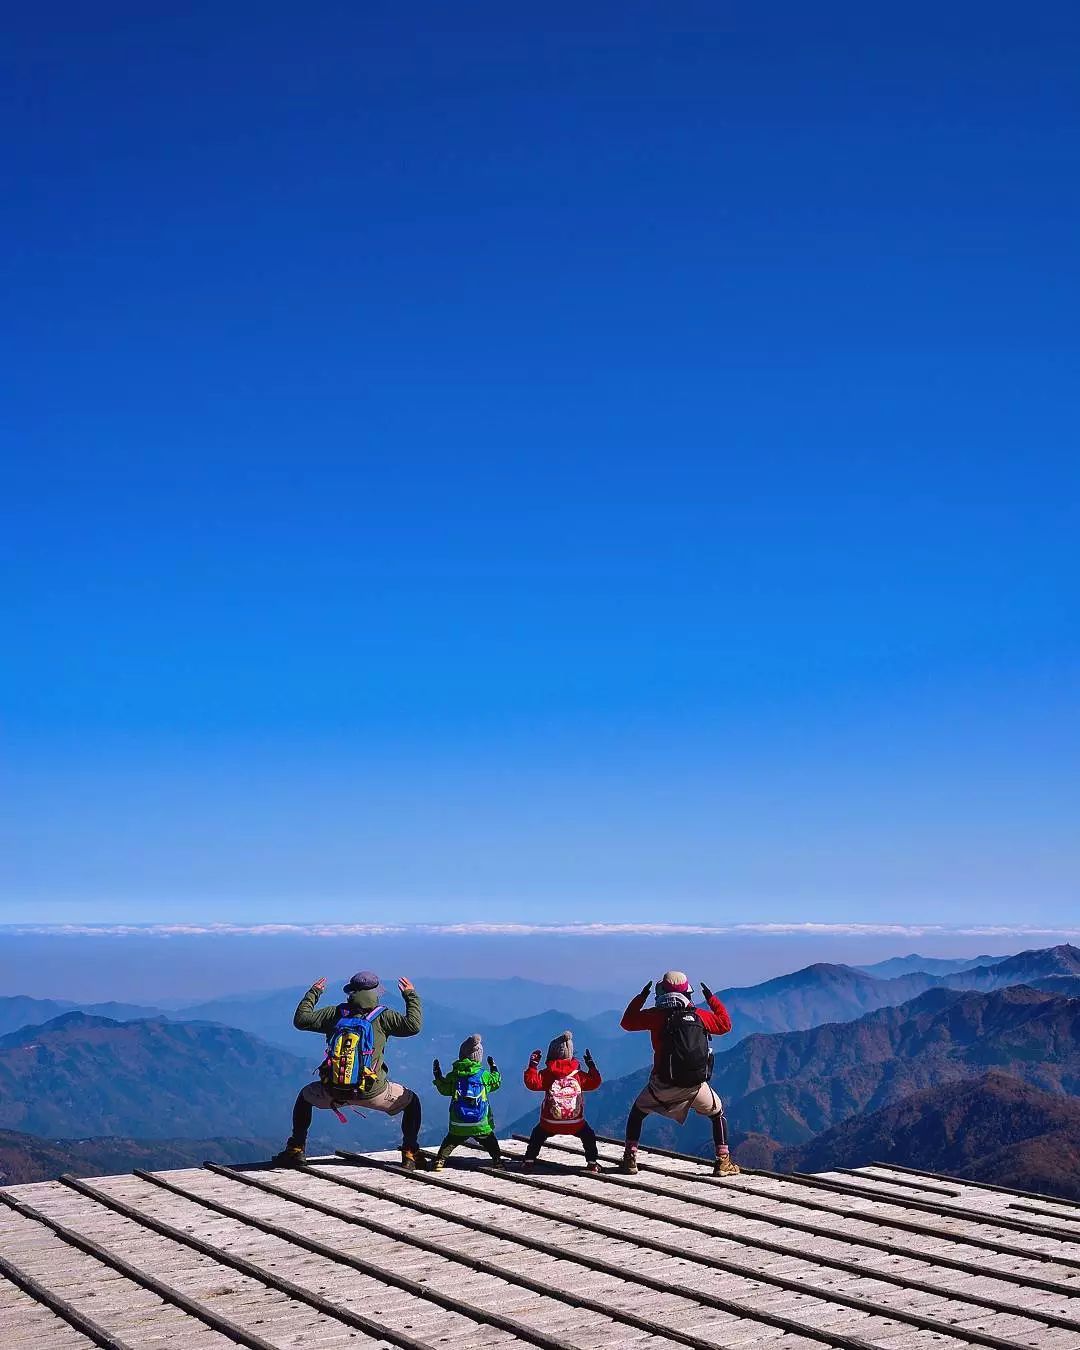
(350, 1051)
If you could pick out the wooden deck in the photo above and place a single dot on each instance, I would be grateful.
(352, 1252)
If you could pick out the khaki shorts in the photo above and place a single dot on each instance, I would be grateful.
(676, 1103)
(392, 1100)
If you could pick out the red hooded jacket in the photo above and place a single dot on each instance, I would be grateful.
(637, 1017)
(539, 1080)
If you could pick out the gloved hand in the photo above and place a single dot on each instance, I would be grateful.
(535, 1058)
(645, 991)
(590, 1062)
(436, 1068)
(706, 990)
(491, 1065)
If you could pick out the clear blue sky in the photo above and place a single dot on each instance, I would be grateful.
(587, 461)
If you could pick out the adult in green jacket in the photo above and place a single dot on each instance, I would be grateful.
(378, 1094)
(469, 1085)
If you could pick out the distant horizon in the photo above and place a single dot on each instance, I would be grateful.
(156, 963)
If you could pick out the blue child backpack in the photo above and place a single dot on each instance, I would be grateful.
(350, 1051)
(469, 1106)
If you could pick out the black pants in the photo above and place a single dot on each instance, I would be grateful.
(636, 1119)
(486, 1141)
(540, 1136)
(302, 1112)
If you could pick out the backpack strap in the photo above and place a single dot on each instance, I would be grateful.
(371, 1016)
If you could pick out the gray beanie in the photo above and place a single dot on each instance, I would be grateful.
(562, 1047)
(472, 1047)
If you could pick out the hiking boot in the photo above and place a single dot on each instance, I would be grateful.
(292, 1155)
(499, 1164)
(726, 1167)
(437, 1165)
(629, 1164)
(413, 1158)
(528, 1164)
(592, 1167)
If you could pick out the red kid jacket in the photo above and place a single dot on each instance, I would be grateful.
(539, 1080)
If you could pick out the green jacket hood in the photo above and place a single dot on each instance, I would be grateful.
(464, 1067)
(363, 1000)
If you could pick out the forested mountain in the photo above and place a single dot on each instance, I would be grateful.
(26, 1157)
(79, 1075)
(993, 1128)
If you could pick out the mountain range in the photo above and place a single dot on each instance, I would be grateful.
(834, 1047)
(787, 1088)
(928, 965)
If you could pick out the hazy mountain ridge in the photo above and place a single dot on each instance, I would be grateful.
(21, 1010)
(816, 994)
(1038, 964)
(928, 965)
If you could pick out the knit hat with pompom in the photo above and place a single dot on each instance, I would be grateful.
(562, 1047)
(472, 1047)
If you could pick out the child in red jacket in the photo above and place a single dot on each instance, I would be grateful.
(563, 1111)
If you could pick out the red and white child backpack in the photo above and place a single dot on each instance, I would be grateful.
(563, 1103)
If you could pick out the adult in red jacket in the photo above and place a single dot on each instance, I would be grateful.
(661, 1097)
(563, 1083)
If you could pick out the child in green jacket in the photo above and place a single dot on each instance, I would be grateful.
(468, 1085)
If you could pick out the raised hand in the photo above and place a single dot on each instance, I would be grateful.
(645, 991)
(405, 985)
(320, 983)
(706, 990)
(535, 1057)
(491, 1065)
(589, 1059)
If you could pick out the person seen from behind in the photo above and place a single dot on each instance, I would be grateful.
(682, 1063)
(353, 1073)
(563, 1083)
(469, 1085)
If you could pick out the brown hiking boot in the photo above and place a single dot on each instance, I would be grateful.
(629, 1164)
(726, 1167)
(412, 1158)
(292, 1155)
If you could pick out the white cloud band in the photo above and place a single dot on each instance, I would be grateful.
(331, 930)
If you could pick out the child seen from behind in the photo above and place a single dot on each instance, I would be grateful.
(563, 1083)
(468, 1085)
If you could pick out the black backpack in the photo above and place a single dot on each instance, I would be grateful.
(686, 1058)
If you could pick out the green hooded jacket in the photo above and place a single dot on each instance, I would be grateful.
(308, 1017)
(492, 1080)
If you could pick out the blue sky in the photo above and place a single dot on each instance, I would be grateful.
(608, 462)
